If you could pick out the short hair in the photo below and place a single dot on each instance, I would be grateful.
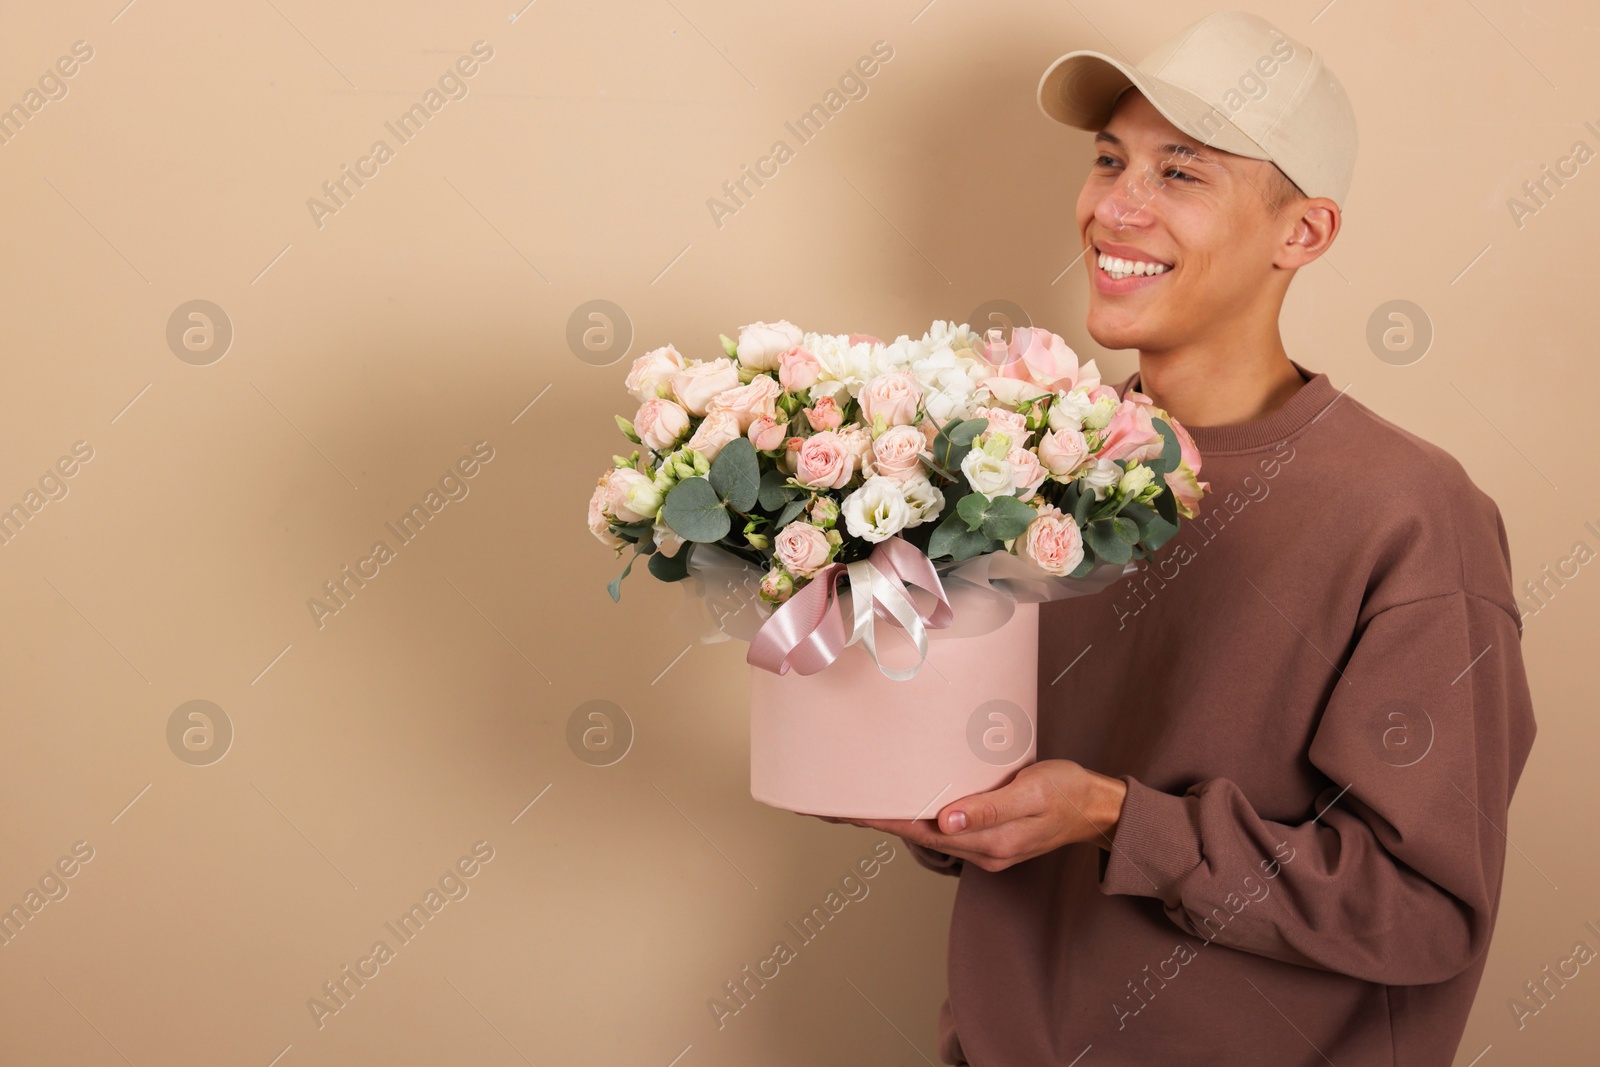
(1280, 191)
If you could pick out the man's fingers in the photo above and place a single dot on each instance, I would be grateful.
(984, 811)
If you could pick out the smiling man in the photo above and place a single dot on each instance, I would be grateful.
(1305, 720)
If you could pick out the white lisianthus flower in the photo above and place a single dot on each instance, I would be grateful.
(1068, 410)
(1101, 475)
(989, 474)
(924, 498)
(877, 511)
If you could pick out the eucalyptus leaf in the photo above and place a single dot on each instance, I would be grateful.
(735, 474)
(1085, 565)
(614, 587)
(971, 508)
(1171, 450)
(1167, 503)
(1160, 532)
(789, 513)
(774, 492)
(1085, 504)
(952, 539)
(672, 568)
(1106, 544)
(1126, 530)
(694, 511)
(1007, 518)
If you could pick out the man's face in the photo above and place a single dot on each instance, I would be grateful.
(1203, 213)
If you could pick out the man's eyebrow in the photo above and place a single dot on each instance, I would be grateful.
(1180, 151)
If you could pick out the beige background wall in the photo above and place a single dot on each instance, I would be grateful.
(371, 352)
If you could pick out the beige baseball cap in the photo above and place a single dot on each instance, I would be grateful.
(1232, 81)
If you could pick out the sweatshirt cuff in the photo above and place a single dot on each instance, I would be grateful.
(934, 861)
(1156, 845)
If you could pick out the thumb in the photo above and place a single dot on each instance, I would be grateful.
(982, 811)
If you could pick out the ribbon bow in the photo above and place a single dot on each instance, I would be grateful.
(806, 633)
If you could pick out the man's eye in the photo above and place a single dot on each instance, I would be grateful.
(1104, 161)
(1181, 174)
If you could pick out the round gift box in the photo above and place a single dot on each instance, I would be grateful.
(849, 741)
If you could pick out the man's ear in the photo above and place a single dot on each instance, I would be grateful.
(1311, 233)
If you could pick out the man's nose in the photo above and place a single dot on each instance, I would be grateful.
(1129, 201)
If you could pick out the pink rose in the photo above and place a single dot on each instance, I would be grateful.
(930, 430)
(651, 370)
(1053, 541)
(599, 524)
(802, 549)
(750, 401)
(1131, 434)
(1012, 391)
(863, 339)
(659, 423)
(1041, 357)
(716, 430)
(1026, 472)
(791, 454)
(696, 385)
(766, 433)
(798, 368)
(824, 414)
(1063, 451)
(1185, 481)
(896, 453)
(1011, 423)
(895, 396)
(824, 462)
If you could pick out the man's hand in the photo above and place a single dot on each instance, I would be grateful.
(1047, 805)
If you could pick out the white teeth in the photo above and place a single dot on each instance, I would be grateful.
(1123, 268)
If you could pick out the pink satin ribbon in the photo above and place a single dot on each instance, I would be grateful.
(807, 632)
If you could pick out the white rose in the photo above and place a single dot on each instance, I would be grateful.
(1134, 481)
(667, 541)
(924, 499)
(1100, 412)
(877, 511)
(762, 343)
(990, 475)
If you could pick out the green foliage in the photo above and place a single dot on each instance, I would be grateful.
(695, 512)
(735, 475)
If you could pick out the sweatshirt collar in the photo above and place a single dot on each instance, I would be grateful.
(1313, 397)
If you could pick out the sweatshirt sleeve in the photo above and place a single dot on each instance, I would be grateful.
(941, 862)
(1395, 875)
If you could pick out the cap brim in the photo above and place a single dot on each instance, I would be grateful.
(1081, 88)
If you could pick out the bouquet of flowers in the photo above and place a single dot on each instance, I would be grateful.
(795, 450)
(991, 473)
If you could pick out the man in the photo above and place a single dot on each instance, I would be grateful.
(1306, 715)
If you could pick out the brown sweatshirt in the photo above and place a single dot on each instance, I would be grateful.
(1315, 694)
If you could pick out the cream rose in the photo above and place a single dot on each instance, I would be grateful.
(1052, 541)
(897, 453)
(652, 370)
(696, 385)
(749, 402)
(599, 524)
(802, 549)
(716, 430)
(1063, 451)
(1010, 423)
(894, 396)
(761, 344)
(989, 475)
(660, 423)
(629, 495)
